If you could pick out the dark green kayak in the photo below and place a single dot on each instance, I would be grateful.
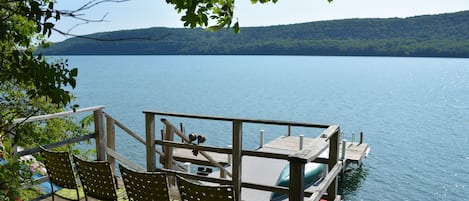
(313, 175)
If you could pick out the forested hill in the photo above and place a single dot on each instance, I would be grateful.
(444, 35)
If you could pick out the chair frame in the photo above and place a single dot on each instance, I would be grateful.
(97, 179)
(145, 186)
(191, 191)
(60, 170)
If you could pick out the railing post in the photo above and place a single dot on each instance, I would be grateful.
(111, 140)
(261, 140)
(237, 157)
(168, 150)
(150, 141)
(296, 183)
(100, 135)
(333, 158)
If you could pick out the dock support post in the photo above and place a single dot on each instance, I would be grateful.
(333, 158)
(150, 141)
(187, 166)
(344, 146)
(261, 140)
(237, 158)
(100, 135)
(111, 140)
(361, 137)
(301, 141)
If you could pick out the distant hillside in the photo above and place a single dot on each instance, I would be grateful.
(444, 35)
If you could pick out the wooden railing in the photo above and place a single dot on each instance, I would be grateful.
(328, 139)
(104, 135)
(98, 134)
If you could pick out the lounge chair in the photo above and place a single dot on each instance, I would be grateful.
(142, 186)
(191, 191)
(60, 170)
(97, 179)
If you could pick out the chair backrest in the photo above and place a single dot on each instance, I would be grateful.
(145, 186)
(59, 168)
(195, 192)
(97, 179)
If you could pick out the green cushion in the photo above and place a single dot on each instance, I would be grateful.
(71, 194)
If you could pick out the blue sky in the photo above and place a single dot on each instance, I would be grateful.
(156, 13)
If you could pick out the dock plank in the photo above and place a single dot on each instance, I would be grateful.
(291, 143)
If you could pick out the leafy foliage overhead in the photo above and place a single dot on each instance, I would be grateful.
(22, 27)
(442, 35)
(199, 13)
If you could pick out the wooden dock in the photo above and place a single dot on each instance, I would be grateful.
(354, 152)
(265, 171)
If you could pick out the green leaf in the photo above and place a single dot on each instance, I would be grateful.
(236, 28)
(74, 72)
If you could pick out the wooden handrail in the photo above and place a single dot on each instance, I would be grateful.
(322, 188)
(56, 115)
(124, 160)
(244, 120)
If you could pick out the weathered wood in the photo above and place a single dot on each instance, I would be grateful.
(203, 153)
(131, 133)
(150, 138)
(194, 146)
(333, 158)
(245, 120)
(124, 160)
(56, 115)
(328, 180)
(312, 152)
(265, 154)
(99, 130)
(237, 144)
(111, 141)
(127, 130)
(290, 143)
(356, 152)
(296, 182)
(331, 130)
(168, 150)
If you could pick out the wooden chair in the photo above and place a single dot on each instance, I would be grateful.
(142, 186)
(97, 179)
(60, 170)
(195, 192)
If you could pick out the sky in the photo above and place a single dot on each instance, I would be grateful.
(136, 14)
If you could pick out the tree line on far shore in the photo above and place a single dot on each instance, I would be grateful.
(443, 35)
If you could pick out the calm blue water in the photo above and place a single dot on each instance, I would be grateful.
(414, 111)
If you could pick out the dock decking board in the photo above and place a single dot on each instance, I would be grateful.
(354, 152)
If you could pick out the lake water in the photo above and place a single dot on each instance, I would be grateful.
(414, 111)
